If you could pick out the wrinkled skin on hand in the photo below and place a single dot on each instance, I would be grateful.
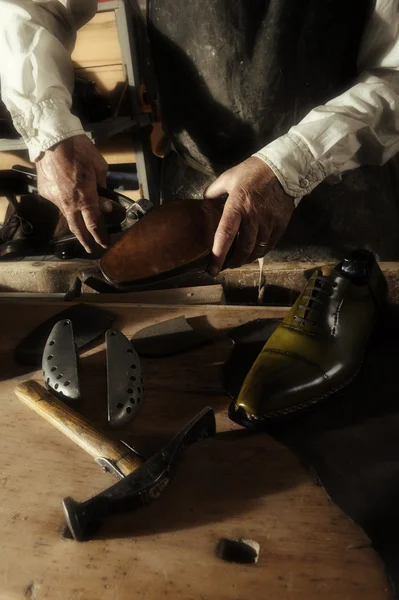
(257, 209)
(68, 175)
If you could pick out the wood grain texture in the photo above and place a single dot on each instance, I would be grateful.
(18, 157)
(118, 149)
(239, 284)
(3, 208)
(97, 43)
(209, 294)
(236, 484)
(75, 427)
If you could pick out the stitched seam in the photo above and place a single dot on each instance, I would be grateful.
(296, 357)
(64, 136)
(305, 150)
(21, 120)
(300, 407)
(291, 328)
(288, 188)
(42, 104)
(61, 137)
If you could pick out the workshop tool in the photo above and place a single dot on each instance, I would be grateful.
(134, 209)
(89, 323)
(183, 231)
(60, 363)
(141, 481)
(125, 387)
(125, 213)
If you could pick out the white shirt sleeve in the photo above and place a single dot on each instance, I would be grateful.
(36, 74)
(359, 127)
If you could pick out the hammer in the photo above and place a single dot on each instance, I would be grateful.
(141, 481)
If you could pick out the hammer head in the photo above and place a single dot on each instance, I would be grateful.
(140, 487)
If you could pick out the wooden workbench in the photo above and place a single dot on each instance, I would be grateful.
(236, 484)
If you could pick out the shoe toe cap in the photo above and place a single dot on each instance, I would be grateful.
(277, 386)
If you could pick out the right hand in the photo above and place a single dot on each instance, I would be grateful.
(257, 209)
(68, 175)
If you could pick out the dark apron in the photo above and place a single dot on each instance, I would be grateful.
(234, 75)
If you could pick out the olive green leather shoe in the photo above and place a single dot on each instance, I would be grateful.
(319, 346)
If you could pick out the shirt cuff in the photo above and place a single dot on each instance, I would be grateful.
(46, 124)
(293, 164)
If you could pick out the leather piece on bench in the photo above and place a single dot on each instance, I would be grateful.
(167, 338)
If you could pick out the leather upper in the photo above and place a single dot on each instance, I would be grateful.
(319, 346)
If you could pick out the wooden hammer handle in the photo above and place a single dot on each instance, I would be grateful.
(76, 428)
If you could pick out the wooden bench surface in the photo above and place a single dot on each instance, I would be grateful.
(234, 485)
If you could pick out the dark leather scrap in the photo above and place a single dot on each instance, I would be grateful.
(89, 323)
(167, 338)
(173, 239)
(351, 442)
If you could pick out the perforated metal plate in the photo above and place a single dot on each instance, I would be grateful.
(60, 363)
(89, 323)
(124, 377)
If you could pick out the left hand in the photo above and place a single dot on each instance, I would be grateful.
(257, 208)
(68, 175)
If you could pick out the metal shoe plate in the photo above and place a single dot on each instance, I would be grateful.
(60, 363)
(124, 379)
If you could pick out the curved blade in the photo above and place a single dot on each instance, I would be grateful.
(60, 363)
(124, 378)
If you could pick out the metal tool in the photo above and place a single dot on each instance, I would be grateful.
(141, 481)
(125, 387)
(89, 323)
(60, 363)
(134, 210)
(124, 379)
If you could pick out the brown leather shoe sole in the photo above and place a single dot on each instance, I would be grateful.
(173, 239)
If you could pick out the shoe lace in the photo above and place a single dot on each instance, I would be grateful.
(12, 225)
(321, 291)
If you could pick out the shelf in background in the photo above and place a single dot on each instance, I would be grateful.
(96, 131)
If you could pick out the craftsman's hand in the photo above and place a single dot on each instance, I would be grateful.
(257, 208)
(68, 175)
